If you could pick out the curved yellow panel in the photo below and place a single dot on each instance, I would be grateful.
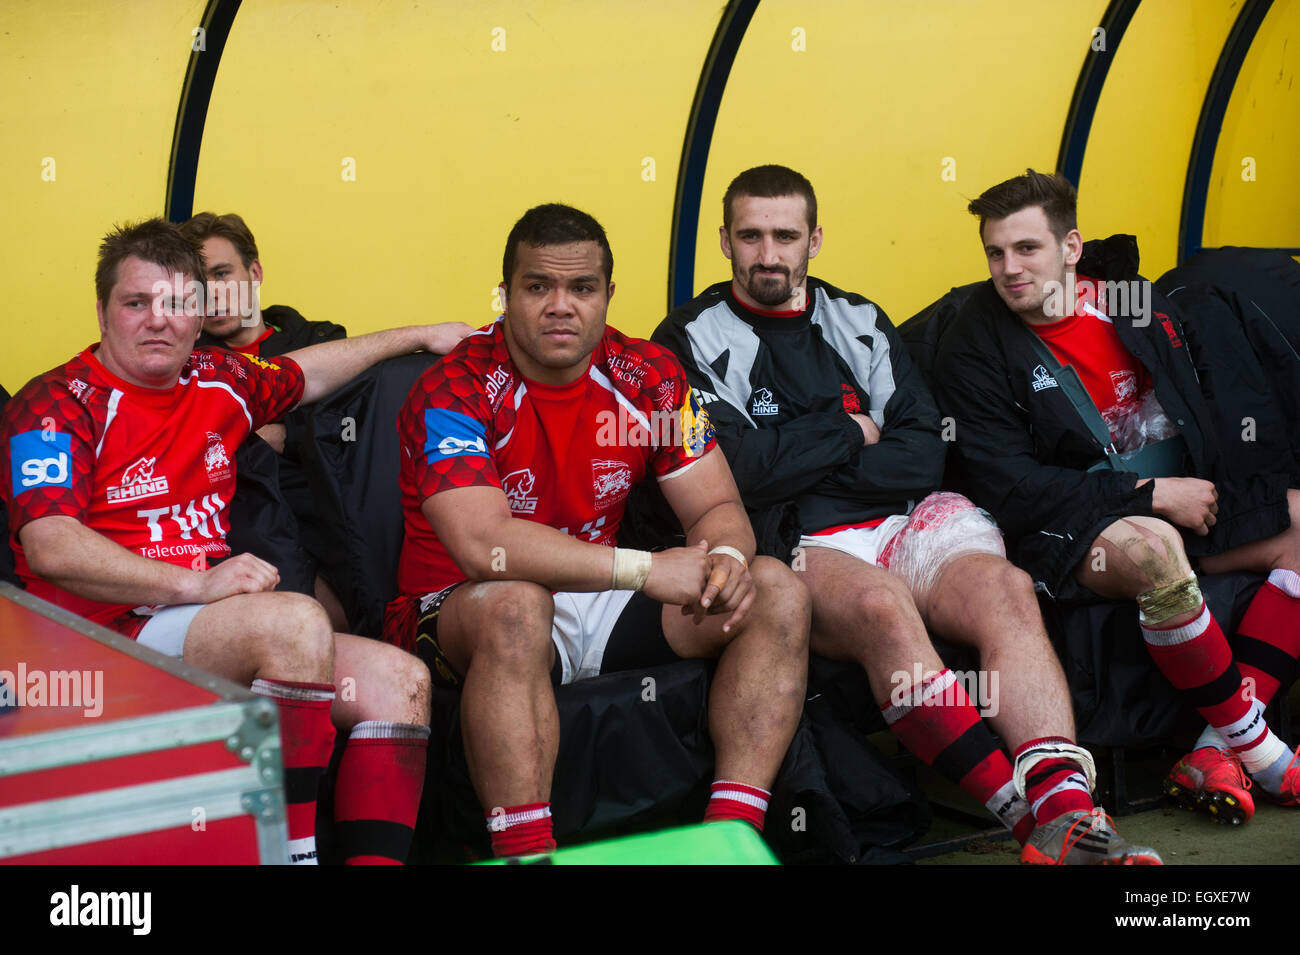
(1136, 164)
(1254, 194)
(899, 113)
(88, 96)
(381, 152)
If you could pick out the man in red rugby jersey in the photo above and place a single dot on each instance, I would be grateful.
(120, 466)
(520, 448)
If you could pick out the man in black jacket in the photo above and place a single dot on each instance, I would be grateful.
(1081, 524)
(235, 317)
(815, 402)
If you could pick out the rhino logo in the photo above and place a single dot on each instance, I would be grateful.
(1043, 379)
(141, 471)
(764, 404)
(138, 481)
(518, 485)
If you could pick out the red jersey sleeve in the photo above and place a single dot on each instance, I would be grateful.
(446, 431)
(693, 433)
(47, 452)
(270, 387)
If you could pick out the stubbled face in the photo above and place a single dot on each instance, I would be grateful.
(555, 310)
(1024, 256)
(233, 316)
(146, 329)
(769, 245)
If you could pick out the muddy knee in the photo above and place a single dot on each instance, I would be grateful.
(1151, 553)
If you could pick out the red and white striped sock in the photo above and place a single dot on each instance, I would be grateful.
(521, 830)
(1268, 640)
(941, 727)
(1195, 657)
(306, 744)
(729, 799)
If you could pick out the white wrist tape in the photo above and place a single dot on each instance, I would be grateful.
(730, 552)
(631, 568)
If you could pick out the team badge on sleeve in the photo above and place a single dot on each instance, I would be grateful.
(697, 430)
(262, 363)
(450, 434)
(40, 459)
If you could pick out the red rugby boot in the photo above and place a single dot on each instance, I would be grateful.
(1213, 781)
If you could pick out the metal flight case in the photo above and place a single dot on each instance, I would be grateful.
(111, 753)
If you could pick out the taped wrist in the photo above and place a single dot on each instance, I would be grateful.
(631, 568)
(730, 552)
(1169, 600)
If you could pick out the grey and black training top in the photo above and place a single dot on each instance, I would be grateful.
(779, 388)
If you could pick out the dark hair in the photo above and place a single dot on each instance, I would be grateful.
(205, 225)
(770, 182)
(1053, 194)
(154, 240)
(555, 224)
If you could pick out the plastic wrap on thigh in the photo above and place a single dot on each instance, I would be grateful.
(942, 528)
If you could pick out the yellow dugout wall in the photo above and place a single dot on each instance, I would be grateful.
(381, 151)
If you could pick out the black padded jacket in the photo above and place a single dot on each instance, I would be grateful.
(777, 389)
(1024, 452)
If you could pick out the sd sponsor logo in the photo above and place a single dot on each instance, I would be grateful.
(40, 459)
(452, 434)
(450, 447)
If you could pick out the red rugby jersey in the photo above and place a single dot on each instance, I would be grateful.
(1087, 340)
(565, 456)
(152, 470)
